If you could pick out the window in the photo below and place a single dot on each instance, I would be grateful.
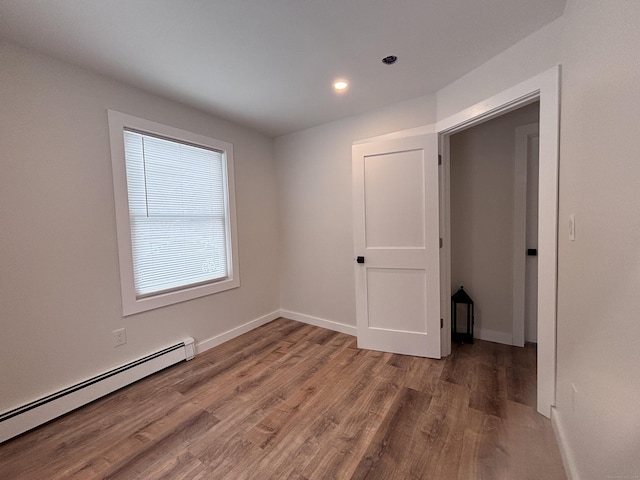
(175, 213)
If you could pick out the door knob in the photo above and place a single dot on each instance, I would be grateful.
(360, 259)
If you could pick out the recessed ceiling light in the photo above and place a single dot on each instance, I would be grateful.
(390, 60)
(340, 85)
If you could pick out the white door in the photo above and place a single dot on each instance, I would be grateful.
(525, 235)
(396, 236)
(531, 263)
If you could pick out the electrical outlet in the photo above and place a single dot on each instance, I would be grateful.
(119, 337)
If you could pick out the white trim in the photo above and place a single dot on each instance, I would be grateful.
(522, 94)
(320, 322)
(544, 87)
(493, 336)
(522, 136)
(130, 304)
(236, 331)
(568, 460)
(411, 132)
(549, 84)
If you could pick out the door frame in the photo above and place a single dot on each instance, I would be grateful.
(544, 88)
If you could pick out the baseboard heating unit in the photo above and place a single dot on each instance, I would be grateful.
(33, 414)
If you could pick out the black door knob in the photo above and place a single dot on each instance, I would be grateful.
(360, 259)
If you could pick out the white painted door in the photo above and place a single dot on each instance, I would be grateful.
(396, 236)
(525, 235)
(531, 263)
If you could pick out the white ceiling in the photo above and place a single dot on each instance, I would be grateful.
(270, 64)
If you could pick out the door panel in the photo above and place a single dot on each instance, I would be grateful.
(387, 288)
(393, 183)
(395, 186)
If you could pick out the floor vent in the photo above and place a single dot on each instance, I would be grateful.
(24, 418)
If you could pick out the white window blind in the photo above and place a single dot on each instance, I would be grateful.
(178, 213)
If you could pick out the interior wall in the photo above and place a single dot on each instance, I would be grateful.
(315, 204)
(534, 54)
(599, 272)
(482, 198)
(59, 282)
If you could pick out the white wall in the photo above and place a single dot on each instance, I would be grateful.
(482, 200)
(599, 273)
(316, 231)
(59, 283)
(534, 54)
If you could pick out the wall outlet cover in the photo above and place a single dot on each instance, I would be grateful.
(119, 337)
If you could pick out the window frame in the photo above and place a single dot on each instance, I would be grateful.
(131, 304)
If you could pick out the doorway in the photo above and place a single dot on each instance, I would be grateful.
(493, 202)
(544, 88)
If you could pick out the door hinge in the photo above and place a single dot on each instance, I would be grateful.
(441, 323)
(441, 243)
(439, 159)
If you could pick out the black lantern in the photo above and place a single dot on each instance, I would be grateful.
(460, 300)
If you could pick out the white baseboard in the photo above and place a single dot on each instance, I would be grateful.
(320, 322)
(565, 451)
(493, 336)
(237, 331)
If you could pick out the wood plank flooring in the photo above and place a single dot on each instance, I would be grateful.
(294, 401)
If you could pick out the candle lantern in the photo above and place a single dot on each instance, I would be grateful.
(461, 303)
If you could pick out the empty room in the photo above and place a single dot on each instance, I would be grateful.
(234, 236)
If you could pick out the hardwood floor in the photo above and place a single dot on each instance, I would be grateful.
(290, 400)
